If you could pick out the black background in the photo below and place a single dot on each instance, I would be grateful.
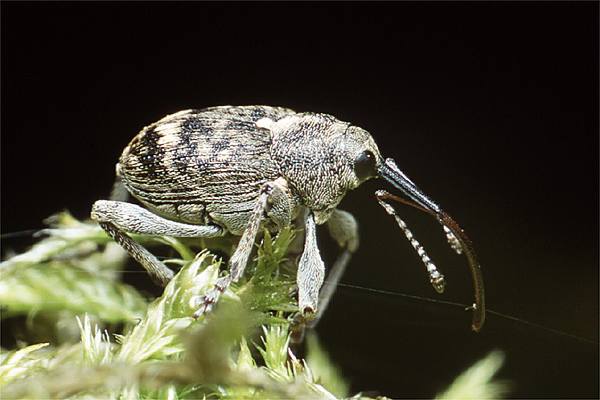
(492, 109)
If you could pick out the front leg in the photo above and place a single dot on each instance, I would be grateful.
(311, 271)
(344, 230)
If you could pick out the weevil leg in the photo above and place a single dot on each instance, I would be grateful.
(311, 271)
(135, 219)
(158, 271)
(343, 228)
(273, 196)
(117, 218)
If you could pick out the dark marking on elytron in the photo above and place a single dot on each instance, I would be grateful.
(185, 152)
(201, 164)
(146, 148)
(181, 161)
(150, 138)
(192, 124)
(237, 125)
(257, 114)
(221, 144)
(148, 158)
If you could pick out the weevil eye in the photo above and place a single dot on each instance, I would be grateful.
(365, 165)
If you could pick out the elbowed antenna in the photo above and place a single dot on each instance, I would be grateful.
(435, 277)
(457, 238)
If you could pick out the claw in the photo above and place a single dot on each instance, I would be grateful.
(205, 306)
(206, 303)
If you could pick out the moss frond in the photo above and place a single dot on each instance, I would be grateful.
(96, 345)
(156, 336)
(239, 350)
(15, 364)
(477, 382)
(60, 286)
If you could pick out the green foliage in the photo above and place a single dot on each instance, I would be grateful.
(74, 269)
(158, 350)
(157, 335)
(60, 286)
(476, 382)
(96, 346)
(270, 286)
(19, 363)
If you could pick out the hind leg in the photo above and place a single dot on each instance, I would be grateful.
(117, 218)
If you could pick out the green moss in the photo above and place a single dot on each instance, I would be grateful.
(158, 351)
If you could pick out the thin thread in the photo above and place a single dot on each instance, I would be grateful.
(467, 308)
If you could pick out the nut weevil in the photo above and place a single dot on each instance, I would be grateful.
(235, 169)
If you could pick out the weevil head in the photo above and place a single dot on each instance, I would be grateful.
(322, 158)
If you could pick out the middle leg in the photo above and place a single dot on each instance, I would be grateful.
(119, 218)
(273, 202)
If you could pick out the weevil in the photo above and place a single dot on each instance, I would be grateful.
(239, 169)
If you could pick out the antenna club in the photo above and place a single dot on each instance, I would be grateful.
(438, 282)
